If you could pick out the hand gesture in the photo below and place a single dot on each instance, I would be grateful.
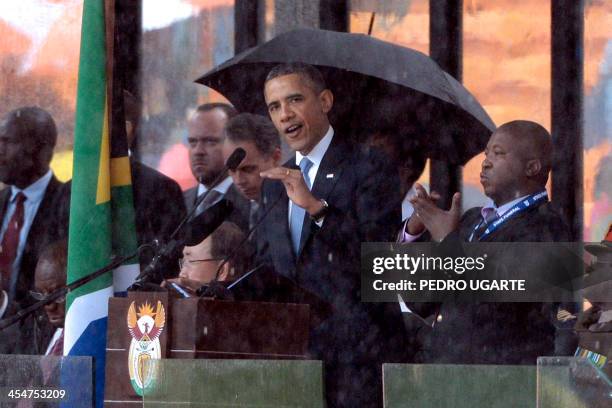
(438, 222)
(415, 225)
(296, 188)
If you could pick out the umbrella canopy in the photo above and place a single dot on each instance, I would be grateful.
(377, 87)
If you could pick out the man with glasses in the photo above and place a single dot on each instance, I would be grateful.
(203, 263)
(42, 333)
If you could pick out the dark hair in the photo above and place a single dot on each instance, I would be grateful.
(33, 122)
(312, 75)
(228, 109)
(224, 241)
(247, 127)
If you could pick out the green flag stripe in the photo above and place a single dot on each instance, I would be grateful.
(89, 242)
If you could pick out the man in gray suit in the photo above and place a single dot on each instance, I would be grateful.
(205, 137)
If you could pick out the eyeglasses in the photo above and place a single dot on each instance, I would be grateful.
(44, 296)
(183, 261)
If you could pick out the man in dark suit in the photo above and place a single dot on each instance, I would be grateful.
(27, 139)
(205, 138)
(514, 175)
(322, 204)
(28, 205)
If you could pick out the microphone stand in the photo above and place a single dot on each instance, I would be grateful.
(63, 291)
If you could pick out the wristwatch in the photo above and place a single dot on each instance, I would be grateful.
(318, 216)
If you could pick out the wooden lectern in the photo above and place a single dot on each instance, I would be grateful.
(151, 325)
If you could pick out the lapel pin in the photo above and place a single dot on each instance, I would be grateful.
(330, 175)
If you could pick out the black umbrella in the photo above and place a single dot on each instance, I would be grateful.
(377, 86)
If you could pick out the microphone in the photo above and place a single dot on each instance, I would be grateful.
(235, 159)
(200, 227)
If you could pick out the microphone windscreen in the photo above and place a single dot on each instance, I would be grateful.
(200, 227)
(235, 158)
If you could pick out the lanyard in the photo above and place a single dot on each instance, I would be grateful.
(517, 208)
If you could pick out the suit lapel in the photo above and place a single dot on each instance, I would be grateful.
(38, 235)
(191, 196)
(279, 216)
(4, 199)
(41, 221)
(328, 175)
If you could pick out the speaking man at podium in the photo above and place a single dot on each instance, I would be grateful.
(322, 204)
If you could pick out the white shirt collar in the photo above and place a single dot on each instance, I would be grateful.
(222, 187)
(35, 191)
(317, 153)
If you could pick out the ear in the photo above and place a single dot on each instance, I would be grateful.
(224, 274)
(276, 156)
(533, 167)
(326, 97)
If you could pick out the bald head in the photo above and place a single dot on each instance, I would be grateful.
(517, 161)
(533, 142)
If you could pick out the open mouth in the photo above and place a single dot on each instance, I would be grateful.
(292, 130)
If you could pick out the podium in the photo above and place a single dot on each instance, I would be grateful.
(151, 326)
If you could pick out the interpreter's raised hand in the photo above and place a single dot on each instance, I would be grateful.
(415, 225)
(296, 188)
(438, 222)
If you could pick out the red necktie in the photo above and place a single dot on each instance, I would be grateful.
(58, 347)
(10, 241)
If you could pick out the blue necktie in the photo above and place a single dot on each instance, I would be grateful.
(297, 212)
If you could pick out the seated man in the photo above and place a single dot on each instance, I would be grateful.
(514, 175)
(42, 333)
(51, 275)
(202, 264)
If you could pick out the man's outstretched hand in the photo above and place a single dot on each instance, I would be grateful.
(428, 216)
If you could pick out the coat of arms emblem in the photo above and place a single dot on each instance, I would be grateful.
(145, 327)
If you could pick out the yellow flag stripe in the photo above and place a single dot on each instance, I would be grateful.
(120, 172)
(103, 190)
